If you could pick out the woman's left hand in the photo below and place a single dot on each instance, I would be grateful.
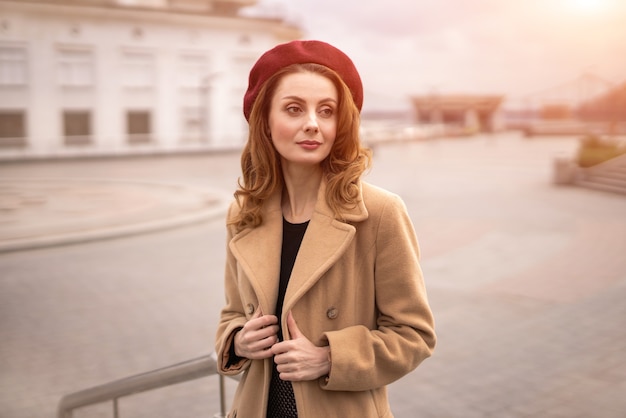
(299, 359)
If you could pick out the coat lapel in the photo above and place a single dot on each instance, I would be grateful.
(325, 241)
(258, 252)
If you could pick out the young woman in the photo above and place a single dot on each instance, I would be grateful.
(325, 300)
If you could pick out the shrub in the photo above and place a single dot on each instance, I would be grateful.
(595, 150)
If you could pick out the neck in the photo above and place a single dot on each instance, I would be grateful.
(300, 195)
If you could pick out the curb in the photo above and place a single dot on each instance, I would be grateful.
(219, 208)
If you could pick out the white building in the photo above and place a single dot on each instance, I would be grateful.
(117, 77)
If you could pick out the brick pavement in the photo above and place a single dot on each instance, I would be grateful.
(527, 282)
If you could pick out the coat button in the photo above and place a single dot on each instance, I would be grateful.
(250, 309)
(332, 312)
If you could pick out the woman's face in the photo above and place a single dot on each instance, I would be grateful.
(303, 118)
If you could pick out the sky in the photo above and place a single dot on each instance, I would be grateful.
(515, 48)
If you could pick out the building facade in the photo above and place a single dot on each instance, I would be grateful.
(119, 77)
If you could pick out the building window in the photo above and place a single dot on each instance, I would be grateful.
(12, 66)
(75, 68)
(138, 70)
(192, 124)
(193, 70)
(138, 126)
(12, 128)
(77, 127)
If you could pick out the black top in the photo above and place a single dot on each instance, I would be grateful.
(282, 403)
(292, 238)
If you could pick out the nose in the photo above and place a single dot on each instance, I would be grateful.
(311, 125)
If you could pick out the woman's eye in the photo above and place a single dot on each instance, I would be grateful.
(326, 112)
(293, 109)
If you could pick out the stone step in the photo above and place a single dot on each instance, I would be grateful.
(602, 186)
(617, 170)
(606, 178)
(609, 176)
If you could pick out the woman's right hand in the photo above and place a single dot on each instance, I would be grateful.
(257, 336)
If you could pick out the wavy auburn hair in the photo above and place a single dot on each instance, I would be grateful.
(260, 162)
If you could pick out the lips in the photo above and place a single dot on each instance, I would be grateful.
(309, 145)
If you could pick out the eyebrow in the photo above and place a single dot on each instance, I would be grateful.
(300, 99)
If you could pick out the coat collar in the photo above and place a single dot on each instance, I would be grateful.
(258, 249)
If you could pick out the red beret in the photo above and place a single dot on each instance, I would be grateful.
(302, 52)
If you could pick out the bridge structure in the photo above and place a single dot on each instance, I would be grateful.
(587, 104)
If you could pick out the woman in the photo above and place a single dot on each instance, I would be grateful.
(325, 301)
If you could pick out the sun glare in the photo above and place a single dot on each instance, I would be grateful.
(590, 6)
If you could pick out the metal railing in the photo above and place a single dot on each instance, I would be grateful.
(170, 375)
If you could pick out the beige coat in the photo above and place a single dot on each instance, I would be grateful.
(356, 285)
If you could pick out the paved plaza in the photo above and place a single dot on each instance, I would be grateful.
(113, 267)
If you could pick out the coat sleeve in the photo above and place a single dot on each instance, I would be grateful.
(232, 316)
(363, 358)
